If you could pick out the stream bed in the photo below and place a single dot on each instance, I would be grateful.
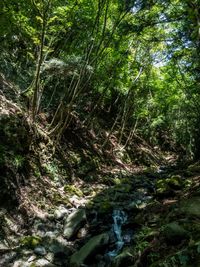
(92, 233)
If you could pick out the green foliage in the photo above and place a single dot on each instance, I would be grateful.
(141, 239)
(19, 161)
(137, 62)
(31, 241)
(72, 189)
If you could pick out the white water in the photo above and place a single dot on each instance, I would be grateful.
(119, 218)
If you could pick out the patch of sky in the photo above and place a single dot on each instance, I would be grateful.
(137, 6)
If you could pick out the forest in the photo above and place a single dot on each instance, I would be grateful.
(100, 133)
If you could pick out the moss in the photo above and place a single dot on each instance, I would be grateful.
(105, 206)
(31, 241)
(58, 199)
(71, 189)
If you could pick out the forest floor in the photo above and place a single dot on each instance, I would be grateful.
(79, 207)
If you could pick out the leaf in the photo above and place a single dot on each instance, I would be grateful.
(51, 20)
(39, 19)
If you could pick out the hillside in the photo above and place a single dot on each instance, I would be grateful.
(99, 133)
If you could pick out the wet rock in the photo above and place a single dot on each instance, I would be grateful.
(174, 233)
(79, 257)
(40, 251)
(74, 222)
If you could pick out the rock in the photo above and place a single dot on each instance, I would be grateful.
(191, 207)
(8, 258)
(174, 233)
(74, 222)
(136, 206)
(60, 213)
(32, 258)
(43, 263)
(40, 251)
(19, 263)
(3, 247)
(78, 258)
(50, 257)
(59, 246)
(50, 235)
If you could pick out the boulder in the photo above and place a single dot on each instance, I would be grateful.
(74, 222)
(79, 257)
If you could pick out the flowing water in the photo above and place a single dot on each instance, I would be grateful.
(119, 218)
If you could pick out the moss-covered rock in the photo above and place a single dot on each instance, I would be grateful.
(79, 257)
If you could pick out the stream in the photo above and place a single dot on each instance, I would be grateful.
(90, 235)
(119, 218)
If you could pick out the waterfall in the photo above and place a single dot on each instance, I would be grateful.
(119, 218)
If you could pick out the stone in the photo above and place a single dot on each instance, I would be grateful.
(7, 258)
(136, 206)
(60, 213)
(79, 257)
(43, 263)
(3, 247)
(74, 222)
(19, 263)
(50, 257)
(32, 258)
(174, 233)
(59, 245)
(39, 250)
